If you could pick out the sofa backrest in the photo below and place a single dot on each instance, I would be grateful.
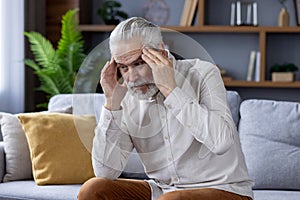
(91, 103)
(270, 139)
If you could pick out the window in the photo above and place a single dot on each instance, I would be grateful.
(11, 56)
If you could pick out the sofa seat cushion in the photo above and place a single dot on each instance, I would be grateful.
(29, 190)
(270, 139)
(276, 195)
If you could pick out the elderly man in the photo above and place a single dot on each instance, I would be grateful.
(175, 114)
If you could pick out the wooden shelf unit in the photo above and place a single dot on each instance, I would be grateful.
(262, 32)
(262, 84)
(203, 29)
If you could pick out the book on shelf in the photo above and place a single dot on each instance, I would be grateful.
(192, 12)
(243, 13)
(188, 12)
(238, 13)
(255, 23)
(257, 67)
(185, 12)
(232, 14)
(251, 66)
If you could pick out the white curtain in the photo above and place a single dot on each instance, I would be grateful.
(11, 56)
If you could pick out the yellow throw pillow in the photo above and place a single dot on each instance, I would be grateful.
(60, 146)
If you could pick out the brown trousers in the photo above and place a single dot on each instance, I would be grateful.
(128, 189)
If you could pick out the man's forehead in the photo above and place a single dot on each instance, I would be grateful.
(128, 57)
(125, 46)
(126, 51)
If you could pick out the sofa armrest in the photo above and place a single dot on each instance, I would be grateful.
(2, 161)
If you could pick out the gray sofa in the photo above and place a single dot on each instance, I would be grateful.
(269, 133)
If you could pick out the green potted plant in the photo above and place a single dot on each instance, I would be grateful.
(57, 68)
(110, 12)
(283, 72)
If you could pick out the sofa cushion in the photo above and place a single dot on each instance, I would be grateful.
(276, 195)
(2, 160)
(29, 190)
(234, 101)
(60, 146)
(17, 157)
(270, 139)
(1, 137)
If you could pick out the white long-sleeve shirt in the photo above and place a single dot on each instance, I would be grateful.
(187, 140)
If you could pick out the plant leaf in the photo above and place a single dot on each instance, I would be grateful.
(42, 49)
(32, 64)
(69, 33)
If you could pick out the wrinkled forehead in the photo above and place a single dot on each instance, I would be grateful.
(127, 51)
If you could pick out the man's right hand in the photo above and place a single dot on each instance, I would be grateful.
(114, 91)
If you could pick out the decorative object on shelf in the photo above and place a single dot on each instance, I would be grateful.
(284, 17)
(224, 75)
(243, 13)
(157, 11)
(110, 12)
(57, 69)
(297, 11)
(283, 72)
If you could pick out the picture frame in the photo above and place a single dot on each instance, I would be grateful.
(297, 11)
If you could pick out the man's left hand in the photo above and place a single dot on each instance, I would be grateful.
(162, 70)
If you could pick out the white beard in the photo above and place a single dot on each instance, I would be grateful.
(151, 92)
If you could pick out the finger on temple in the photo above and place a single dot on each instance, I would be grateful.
(113, 61)
(148, 60)
(150, 53)
(157, 53)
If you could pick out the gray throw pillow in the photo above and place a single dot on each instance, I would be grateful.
(234, 100)
(270, 139)
(17, 156)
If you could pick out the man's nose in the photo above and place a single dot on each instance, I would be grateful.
(133, 75)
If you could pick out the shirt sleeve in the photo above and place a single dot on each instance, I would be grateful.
(111, 145)
(206, 114)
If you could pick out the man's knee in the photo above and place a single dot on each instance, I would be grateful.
(94, 189)
(170, 196)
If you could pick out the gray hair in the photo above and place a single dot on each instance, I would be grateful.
(131, 28)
